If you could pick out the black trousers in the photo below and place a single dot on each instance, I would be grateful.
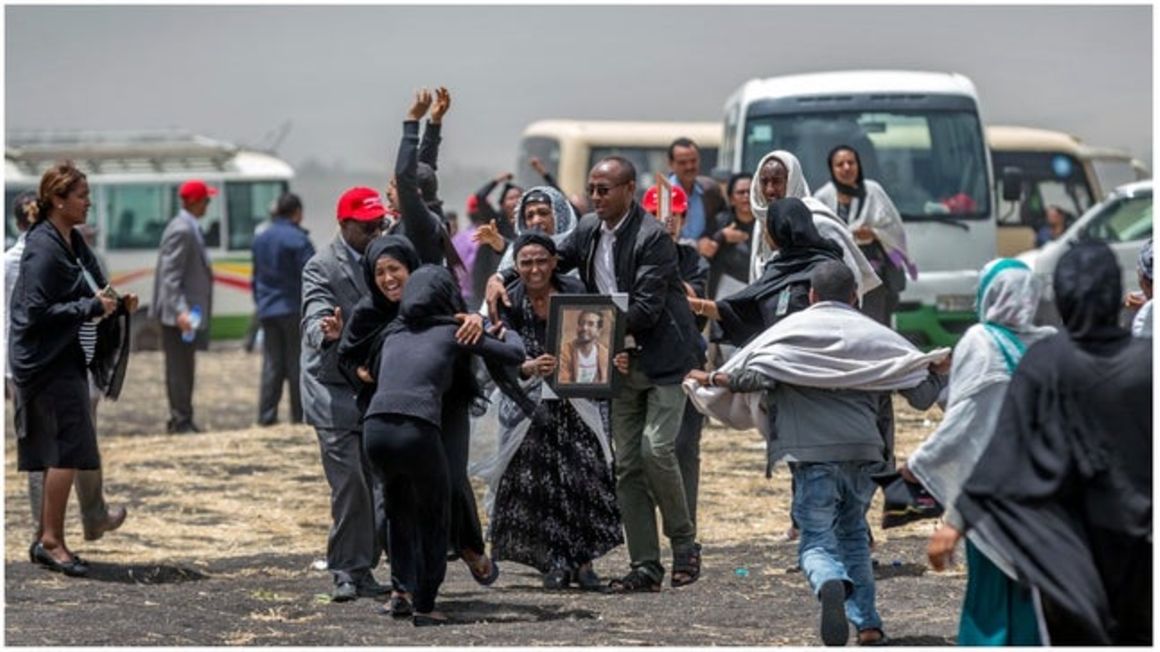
(179, 369)
(281, 348)
(408, 455)
(466, 532)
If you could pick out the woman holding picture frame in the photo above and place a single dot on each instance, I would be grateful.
(554, 505)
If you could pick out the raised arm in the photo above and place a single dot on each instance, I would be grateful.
(432, 135)
(420, 226)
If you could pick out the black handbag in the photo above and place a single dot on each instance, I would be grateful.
(904, 501)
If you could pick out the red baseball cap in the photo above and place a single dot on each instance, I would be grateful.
(361, 204)
(472, 204)
(195, 190)
(679, 201)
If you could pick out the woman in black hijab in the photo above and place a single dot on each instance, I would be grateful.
(784, 285)
(387, 265)
(402, 431)
(1064, 488)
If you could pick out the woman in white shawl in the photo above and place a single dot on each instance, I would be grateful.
(779, 175)
(877, 227)
(996, 611)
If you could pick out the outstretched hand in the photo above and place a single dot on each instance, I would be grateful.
(441, 106)
(489, 234)
(332, 326)
(537, 165)
(420, 104)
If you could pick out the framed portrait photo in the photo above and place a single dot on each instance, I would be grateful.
(584, 333)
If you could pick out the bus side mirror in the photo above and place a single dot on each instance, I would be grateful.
(1012, 183)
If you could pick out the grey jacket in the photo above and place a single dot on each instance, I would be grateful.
(183, 278)
(331, 278)
(828, 425)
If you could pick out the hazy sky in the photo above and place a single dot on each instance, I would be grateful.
(343, 75)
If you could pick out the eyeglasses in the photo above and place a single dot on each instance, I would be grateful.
(601, 191)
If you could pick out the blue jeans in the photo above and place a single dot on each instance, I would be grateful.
(830, 500)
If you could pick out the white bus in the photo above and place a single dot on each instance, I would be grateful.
(570, 148)
(134, 179)
(920, 136)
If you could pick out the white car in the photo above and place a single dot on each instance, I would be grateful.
(1123, 220)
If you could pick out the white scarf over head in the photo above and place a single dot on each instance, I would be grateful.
(826, 221)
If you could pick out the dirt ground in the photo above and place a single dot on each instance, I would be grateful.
(225, 527)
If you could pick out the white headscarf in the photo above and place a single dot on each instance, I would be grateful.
(827, 223)
(984, 360)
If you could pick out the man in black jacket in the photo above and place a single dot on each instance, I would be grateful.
(619, 248)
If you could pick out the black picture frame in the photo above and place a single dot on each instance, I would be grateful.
(564, 313)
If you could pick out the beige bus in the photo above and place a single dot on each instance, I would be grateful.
(569, 148)
(1049, 168)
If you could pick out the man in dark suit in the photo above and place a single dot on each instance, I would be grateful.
(183, 300)
(280, 253)
(332, 283)
(621, 249)
(705, 198)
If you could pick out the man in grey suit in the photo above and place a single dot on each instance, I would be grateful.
(332, 283)
(183, 288)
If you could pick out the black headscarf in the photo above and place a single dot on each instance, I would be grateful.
(362, 336)
(859, 188)
(395, 246)
(800, 247)
(1088, 289)
(1063, 491)
(432, 298)
(535, 237)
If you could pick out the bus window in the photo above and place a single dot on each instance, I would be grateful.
(1113, 173)
(248, 205)
(541, 147)
(930, 163)
(136, 215)
(1049, 178)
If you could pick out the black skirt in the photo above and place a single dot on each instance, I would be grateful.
(55, 423)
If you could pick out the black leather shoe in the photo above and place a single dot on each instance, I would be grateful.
(75, 568)
(369, 588)
(344, 592)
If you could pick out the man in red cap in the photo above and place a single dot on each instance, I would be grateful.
(332, 283)
(183, 300)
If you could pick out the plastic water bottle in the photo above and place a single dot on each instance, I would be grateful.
(194, 322)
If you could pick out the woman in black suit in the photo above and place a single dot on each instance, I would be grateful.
(59, 298)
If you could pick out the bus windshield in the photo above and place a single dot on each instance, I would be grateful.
(931, 163)
(1049, 179)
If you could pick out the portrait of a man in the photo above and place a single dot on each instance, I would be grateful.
(584, 359)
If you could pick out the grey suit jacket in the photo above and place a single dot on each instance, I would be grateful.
(183, 278)
(331, 278)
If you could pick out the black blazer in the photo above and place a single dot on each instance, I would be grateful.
(658, 318)
(50, 301)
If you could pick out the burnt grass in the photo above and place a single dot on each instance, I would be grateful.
(190, 590)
